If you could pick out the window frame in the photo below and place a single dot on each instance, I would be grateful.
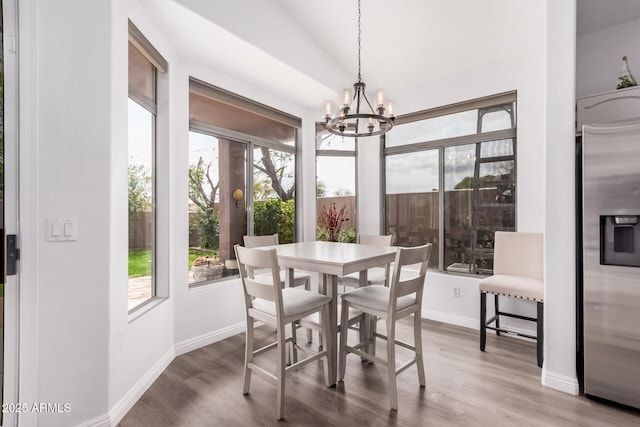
(336, 153)
(251, 143)
(488, 103)
(160, 66)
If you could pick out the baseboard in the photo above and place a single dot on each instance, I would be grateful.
(561, 383)
(208, 338)
(452, 319)
(120, 409)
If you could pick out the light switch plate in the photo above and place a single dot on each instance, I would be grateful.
(62, 229)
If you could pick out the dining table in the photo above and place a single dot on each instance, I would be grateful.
(331, 260)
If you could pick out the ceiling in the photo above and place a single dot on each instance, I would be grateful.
(596, 15)
(307, 50)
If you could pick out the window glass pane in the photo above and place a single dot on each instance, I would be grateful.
(497, 118)
(499, 148)
(217, 220)
(412, 182)
(141, 75)
(274, 208)
(141, 204)
(458, 124)
(336, 188)
(459, 164)
(329, 141)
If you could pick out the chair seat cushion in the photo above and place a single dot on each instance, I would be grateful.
(375, 276)
(295, 302)
(376, 297)
(514, 286)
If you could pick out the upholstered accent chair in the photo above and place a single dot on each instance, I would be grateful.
(517, 273)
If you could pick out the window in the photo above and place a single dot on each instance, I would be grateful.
(242, 177)
(450, 180)
(144, 65)
(335, 185)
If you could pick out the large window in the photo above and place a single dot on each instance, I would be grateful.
(450, 180)
(335, 187)
(242, 177)
(144, 65)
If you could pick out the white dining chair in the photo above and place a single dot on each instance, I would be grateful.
(267, 302)
(375, 275)
(299, 279)
(402, 298)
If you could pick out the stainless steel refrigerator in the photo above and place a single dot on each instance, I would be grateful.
(611, 254)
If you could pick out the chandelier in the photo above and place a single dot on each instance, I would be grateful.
(357, 117)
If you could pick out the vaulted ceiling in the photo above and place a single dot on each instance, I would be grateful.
(307, 50)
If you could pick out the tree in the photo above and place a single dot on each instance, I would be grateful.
(139, 189)
(208, 220)
(321, 189)
(199, 174)
(274, 165)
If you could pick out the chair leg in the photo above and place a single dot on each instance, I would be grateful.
(307, 287)
(540, 334)
(364, 333)
(248, 356)
(373, 330)
(391, 363)
(417, 336)
(342, 354)
(281, 337)
(483, 320)
(325, 315)
(294, 342)
(497, 309)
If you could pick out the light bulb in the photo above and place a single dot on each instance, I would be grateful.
(345, 97)
(379, 97)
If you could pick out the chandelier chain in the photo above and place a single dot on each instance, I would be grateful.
(359, 49)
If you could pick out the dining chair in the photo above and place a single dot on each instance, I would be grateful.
(267, 302)
(402, 298)
(518, 272)
(375, 275)
(299, 279)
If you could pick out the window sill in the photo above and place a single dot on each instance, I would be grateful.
(145, 307)
(213, 283)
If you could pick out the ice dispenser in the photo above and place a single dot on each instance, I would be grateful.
(620, 240)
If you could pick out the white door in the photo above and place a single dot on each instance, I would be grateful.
(9, 212)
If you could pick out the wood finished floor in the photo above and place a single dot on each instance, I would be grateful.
(465, 387)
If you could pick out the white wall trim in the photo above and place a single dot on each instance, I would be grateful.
(120, 409)
(209, 338)
(29, 236)
(559, 382)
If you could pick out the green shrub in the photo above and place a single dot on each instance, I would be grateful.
(208, 228)
(275, 216)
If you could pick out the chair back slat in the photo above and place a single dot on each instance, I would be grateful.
(268, 287)
(258, 241)
(518, 254)
(414, 283)
(374, 240)
(260, 289)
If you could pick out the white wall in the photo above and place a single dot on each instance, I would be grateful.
(73, 168)
(599, 57)
(559, 370)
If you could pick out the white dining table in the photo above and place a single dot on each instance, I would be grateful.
(333, 259)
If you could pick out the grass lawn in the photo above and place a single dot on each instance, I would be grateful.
(140, 260)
